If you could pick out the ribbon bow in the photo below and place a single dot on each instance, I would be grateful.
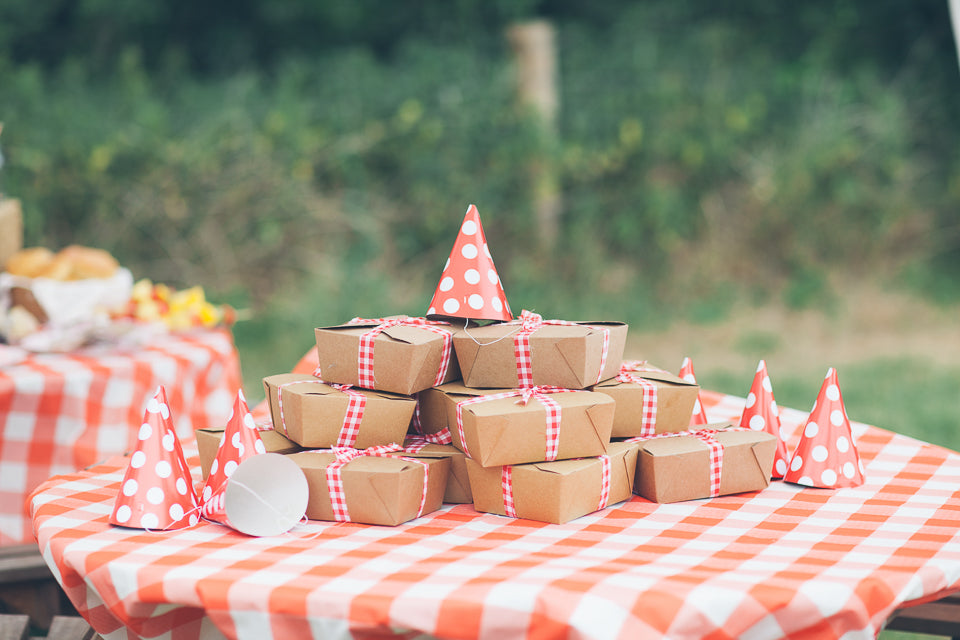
(338, 498)
(415, 443)
(530, 322)
(365, 352)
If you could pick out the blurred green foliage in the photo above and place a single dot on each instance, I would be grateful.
(313, 160)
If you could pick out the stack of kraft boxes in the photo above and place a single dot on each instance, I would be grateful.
(527, 418)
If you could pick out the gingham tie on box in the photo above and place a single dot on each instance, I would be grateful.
(356, 403)
(365, 351)
(629, 373)
(708, 436)
(529, 324)
(506, 485)
(416, 443)
(525, 394)
(338, 497)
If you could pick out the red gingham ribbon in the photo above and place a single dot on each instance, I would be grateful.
(604, 481)
(356, 402)
(716, 451)
(365, 352)
(506, 483)
(338, 498)
(537, 392)
(530, 322)
(639, 366)
(415, 443)
(648, 413)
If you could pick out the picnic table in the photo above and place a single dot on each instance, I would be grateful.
(788, 561)
(61, 412)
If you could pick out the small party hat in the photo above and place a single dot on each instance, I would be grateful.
(761, 414)
(240, 440)
(699, 415)
(469, 285)
(157, 490)
(826, 456)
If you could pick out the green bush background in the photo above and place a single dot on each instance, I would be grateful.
(311, 161)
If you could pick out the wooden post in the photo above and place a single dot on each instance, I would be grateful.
(534, 49)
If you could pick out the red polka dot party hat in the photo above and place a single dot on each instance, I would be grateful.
(699, 415)
(760, 413)
(469, 285)
(157, 490)
(826, 456)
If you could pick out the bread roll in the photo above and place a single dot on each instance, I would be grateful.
(86, 262)
(29, 263)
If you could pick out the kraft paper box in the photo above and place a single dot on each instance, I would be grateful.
(208, 441)
(555, 492)
(432, 405)
(675, 400)
(378, 490)
(506, 431)
(565, 356)
(313, 412)
(406, 359)
(458, 483)
(676, 468)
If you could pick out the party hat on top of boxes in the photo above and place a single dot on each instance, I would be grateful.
(686, 372)
(826, 456)
(240, 440)
(760, 413)
(157, 490)
(470, 285)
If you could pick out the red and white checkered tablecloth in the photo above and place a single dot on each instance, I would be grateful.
(63, 412)
(786, 561)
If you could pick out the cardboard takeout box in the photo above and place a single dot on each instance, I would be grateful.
(675, 398)
(313, 412)
(504, 431)
(379, 490)
(458, 482)
(555, 492)
(406, 359)
(678, 467)
(208, 442)
(564, 355)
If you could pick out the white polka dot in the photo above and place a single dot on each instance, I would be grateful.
(696, 407)
(249, 422)
(843, 445)
(235, 440)
(450, 305)
(796, 463)
(781, 466)
(231, 415)
(194, 519)
(819, 453)
(181, 486)
(765, 383)
(774, 409)
(164, 410)
(469, 227)
(130, 487)
(145, 431)
(176, 512)
(431, 311)
(149, 521)
(472, 276)
(153, 406)
(829, 477)
(833, 392)
(214, 466)
(240, 395)
(258, 446)
(496, 304)
(138, 459)
(836, 417)
(689, 377)
(751, 399)
(806, 481)
(760, 365)
(812, 429)
(486, 251)
(207, 492)
(240, 450)
(155, 495)
(446, 284)
(163, 469)
(475, 301)
(123, 513)
(757, 422)
(848, 469)
(469, 251)
(492, 276)
(446, 264)
(168, 439)
(229, 468)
